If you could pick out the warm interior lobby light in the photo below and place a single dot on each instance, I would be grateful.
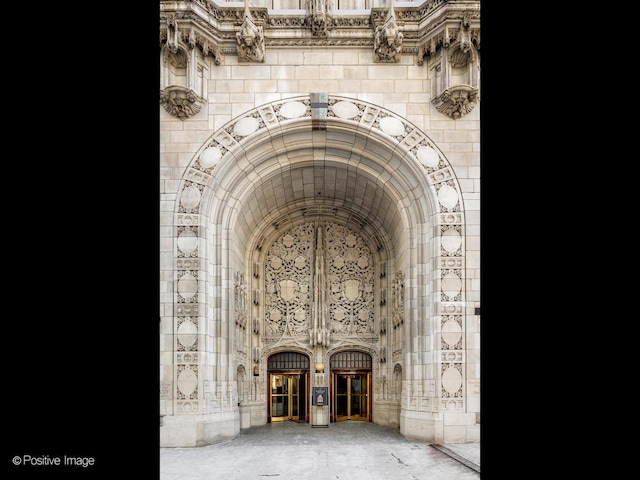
(319, 368)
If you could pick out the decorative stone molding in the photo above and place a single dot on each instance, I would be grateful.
(240, 300)
(455, 68)
(171, 33)
(397, 302)
(453, 27)
(429, 25)
(446, 387)
(184, 27)
(383, 354)
(181, 102)
(250, 39)
(319, 17)
(387, 40)
(319, 282)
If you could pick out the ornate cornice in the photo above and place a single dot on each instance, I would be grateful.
(425, 28)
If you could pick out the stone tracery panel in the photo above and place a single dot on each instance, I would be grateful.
(349, 282)
(351, 291)
(287, 282)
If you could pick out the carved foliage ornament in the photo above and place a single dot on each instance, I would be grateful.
(319, 283)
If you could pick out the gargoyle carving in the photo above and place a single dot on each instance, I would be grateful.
(387, 42)
(250, 39)
(319, 17)
(172, 33)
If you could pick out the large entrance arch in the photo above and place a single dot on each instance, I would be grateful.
(302, 164)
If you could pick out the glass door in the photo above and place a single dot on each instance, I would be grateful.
(285, 397)
(351, 397)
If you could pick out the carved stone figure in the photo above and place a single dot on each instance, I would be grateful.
(179, 102)
(250, 39)
(387, 42)
(319, 17)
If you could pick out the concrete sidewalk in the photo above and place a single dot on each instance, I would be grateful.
(346, 450)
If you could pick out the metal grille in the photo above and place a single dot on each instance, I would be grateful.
(288, 360)
(351, 360)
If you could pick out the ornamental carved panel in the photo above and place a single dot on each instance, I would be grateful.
(319, 283)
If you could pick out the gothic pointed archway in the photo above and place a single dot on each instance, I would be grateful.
(337, 160)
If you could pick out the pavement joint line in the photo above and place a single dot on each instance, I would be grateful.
(455, 456)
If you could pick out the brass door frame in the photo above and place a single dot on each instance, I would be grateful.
(367, 396)
(291, 379)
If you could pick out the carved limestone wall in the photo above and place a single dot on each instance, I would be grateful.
(300, 302)
(219, 298)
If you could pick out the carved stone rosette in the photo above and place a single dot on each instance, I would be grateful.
(181, 102)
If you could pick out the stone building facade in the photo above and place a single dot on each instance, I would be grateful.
(320, 216)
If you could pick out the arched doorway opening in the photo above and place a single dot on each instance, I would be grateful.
(351, 390)
(288, 386)
(375, 179)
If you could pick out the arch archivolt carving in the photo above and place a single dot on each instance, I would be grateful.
(369, 139)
